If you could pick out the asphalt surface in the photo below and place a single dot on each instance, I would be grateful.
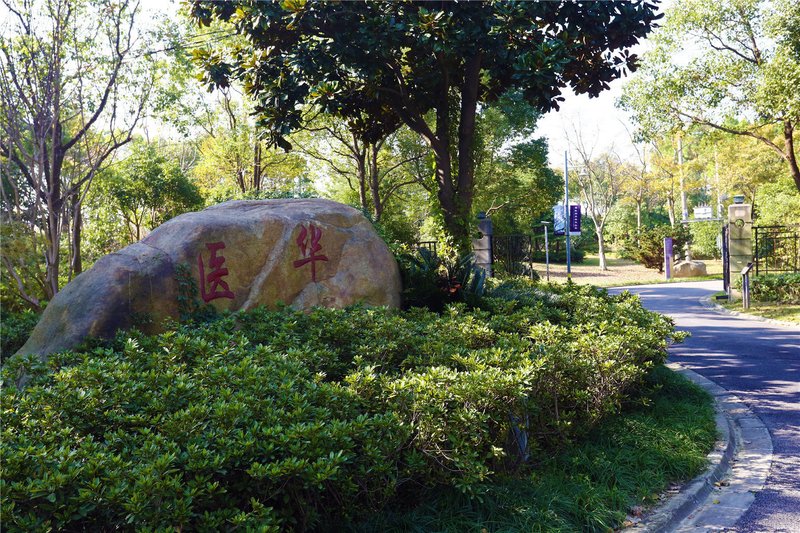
(760, 363)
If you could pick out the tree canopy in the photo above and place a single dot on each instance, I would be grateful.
(732, 65)
(426, 65)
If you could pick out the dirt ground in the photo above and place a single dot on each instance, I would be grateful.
(620, 272)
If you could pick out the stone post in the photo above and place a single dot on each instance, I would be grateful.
(482, 248)
(740, 231)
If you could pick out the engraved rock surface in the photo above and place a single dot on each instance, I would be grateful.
(241, 254)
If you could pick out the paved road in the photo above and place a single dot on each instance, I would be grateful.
(760, 363)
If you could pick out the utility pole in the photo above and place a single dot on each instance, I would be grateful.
(684, 206)
(566, 214)
(716, 179)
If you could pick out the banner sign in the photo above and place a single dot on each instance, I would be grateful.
(560, 222)
(574, 220)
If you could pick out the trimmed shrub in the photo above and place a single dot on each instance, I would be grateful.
(647, 247)
(282, 420)
(784, 288)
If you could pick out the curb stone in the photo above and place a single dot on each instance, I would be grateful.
(740, 463)
(713, 306)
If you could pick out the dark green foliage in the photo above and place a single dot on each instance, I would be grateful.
(190, 309)
(705, 236)
(432, 282)
(784, 288)
(384, 64)
(15, 328)
(591, 485)
(648, 247)
(283, 420)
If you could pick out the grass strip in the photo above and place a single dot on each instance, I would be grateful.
(625, 462)
(772, 310)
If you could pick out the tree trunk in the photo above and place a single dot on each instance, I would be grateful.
(638, 216)
(361, 174)
(76, 265)
(374, 182)
(601, 249)
(257, 167)
(671, 211)
(466, 136)
(788, 132)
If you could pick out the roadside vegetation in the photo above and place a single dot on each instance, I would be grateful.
(287, 420)
(774, 296)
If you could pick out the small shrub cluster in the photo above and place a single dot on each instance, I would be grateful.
(647, 247)
(15, 328)
(705, 236)
(433, 281)
(281, 420)
(783, 288)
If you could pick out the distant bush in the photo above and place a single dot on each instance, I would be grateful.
(704, 239)
(647, 247)
(283, 420)
(432, 281)
(15, 328)
(784, 288)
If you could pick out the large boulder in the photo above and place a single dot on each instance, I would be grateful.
(689, 269)
(240, 255)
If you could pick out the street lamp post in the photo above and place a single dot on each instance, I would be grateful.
(544, 224)
(566, 215)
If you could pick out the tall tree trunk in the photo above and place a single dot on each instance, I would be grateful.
(374, 182)
(638, 216)
(601, 248)
(466, 137)
(791, 157)
(361, 175)
(671, 211)
(76, 265)
(257, 167)
(684, 204)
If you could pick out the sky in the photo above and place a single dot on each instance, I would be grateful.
(600, 123)
(597, 120)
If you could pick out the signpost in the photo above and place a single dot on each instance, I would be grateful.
(669, 257)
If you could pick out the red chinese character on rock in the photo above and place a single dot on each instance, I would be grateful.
(308, 242)
(214, 278)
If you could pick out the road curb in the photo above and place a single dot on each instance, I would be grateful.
(713, 306)
(739, 466)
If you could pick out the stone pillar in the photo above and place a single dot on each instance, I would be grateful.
(482, 248)
(740, 232)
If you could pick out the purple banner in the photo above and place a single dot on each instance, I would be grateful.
(575, 219)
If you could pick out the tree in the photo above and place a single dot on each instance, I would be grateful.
(746, 68)
(233, 158)
(371, 168)
(429, 66)
(73, 86)
(513, 183)
(600, 183)
(147, 189)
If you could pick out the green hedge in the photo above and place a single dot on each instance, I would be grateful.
(15, 328)
(280, 420)
(783, 288)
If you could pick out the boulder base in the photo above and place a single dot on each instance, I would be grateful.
(240, 255)
(689, 269)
